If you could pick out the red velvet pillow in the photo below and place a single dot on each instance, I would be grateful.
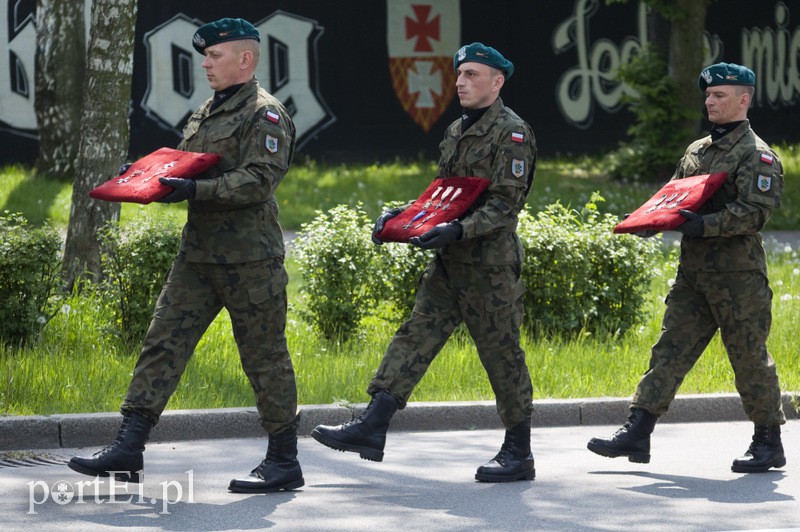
(140, 183)
(445, 200)
(660, 212)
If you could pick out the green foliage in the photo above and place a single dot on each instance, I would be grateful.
(29, 275)
(310, 186)
(580, 277)
(659, 132)
(346, 277)
(135, 259)
(337, 262)
(668, 9)
(401, 266)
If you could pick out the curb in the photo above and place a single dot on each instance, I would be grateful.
(89, 430)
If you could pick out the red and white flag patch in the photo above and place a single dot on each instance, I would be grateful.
(272, 117)
(767, 158)
(517, 137)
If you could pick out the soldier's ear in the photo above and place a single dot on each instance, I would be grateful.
(246, 59)
(498, 81)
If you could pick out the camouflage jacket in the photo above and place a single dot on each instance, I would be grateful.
(737, 212)
(234, 215)
(500, 147)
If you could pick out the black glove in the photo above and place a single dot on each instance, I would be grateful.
(439, 236)
(184, 189)
(123, 168)
(380, 222)
(693, 226)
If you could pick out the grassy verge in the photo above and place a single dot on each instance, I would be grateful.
(76, 367)
(310, 187)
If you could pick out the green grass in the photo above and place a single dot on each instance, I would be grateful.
(75, 366)
(309, 187)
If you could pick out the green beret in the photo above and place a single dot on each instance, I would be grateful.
(725, 74)
(480, 53)
(223, 30)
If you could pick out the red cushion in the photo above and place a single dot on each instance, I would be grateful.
(140, 183)
(445, 200)
(660, 212)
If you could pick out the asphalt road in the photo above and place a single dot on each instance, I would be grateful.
(425, 483)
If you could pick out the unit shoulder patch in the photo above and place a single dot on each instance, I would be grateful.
(764, 183)
(518, 167)
(271, 143)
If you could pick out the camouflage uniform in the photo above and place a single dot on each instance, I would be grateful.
(231, 257)
(722, 279)
(476, 279)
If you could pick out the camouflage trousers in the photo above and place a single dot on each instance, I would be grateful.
(739, 305)
(489, 301)
(254, 293)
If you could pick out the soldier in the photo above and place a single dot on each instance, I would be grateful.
(721, 282)
(474, 277)
(231, 256)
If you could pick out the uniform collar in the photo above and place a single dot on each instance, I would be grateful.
(489, 117)
(728, 141)
(236, 99)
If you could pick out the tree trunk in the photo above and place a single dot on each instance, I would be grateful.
(60, 56)
(686, 56)
(105, 132)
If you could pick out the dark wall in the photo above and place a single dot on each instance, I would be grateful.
(332, 63)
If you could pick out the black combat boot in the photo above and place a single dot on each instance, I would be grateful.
(765, 452)
(124, 457)
(280, 470)
(367, 434)
(514, 461)
(632, 440)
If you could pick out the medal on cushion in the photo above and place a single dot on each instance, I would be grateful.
(433, 197)
(677, 201)
(444, 196)
(431, 215)
(416, 217)
(656, 204)
(661, 200)
(452, 198)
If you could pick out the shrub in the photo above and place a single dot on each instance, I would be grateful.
(346, 277)
(580, 277)
(337, 262)
(401, 266)
(135, 259)
(29, 276)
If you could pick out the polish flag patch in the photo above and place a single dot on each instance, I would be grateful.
(767, 158)
(517, 137)
(272, 117)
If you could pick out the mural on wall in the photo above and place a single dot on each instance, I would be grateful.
(17, 49)
(421, 39)
(177, 83)
(773, 54)
(373, 81)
